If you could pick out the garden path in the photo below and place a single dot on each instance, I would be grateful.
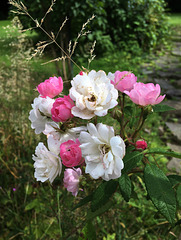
(167, 72)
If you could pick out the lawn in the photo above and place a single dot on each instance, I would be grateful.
(175, 19)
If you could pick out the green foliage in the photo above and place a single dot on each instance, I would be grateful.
(83, 201)
(174, 179)
(102, 194)
(163, 152)
(132, 25)
(179, 196)
(88, 232)
(131, 160)
(175, 19)
(162, 108)
(160, 191)
(125, 187)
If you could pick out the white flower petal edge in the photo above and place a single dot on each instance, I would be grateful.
(38, 120)
(103, 151)
(47, 164)
(93, 95)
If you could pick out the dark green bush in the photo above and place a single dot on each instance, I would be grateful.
(137, 22)
(118, 24)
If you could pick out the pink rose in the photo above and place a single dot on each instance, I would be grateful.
(71, 153)
(124, 80)
(61, 110)
(145, 94)
(141, 144)
(71, 180)
(50, 87)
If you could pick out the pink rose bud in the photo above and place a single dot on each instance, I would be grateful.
(141, 144)
(145, 94)
(71, 153)
(61, 110)
(124, 81)
(71, 180)
(50, 87)
(81, 73)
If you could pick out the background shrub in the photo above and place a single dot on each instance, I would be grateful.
(141, 23)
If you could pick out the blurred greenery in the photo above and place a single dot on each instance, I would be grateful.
(32, 210)
(175, 19)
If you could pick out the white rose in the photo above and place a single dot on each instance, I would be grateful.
(103, 152)
(47, 163)
(93, 95)
(40, 113)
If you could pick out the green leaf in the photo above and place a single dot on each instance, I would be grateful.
(34, 204)
(128, 110)
(83, 202)
(132, 122)
(130, 149)
(163, 152)
(160, 191)
(102, 194)
(99, 211)
(131, 160)
(179, 195)
(88, 232)
(125, 187)
(174, 179)
(162, 108)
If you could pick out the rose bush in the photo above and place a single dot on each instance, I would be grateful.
(97, 149)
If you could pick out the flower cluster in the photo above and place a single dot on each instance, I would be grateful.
(94, 148)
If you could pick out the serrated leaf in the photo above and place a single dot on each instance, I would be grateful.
(102, 194)
(163, 152)
(174, 179)
(125, 187)
(131, 160)
(179, 195)
(83, 202)
(160, 191)
(162, 108)
(99, 211)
